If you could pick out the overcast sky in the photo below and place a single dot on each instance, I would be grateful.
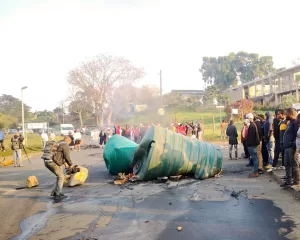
(41, 40)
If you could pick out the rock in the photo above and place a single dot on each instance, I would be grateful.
(6, 162)
(32, 182)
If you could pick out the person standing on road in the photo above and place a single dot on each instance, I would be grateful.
(269, 138)
(44, 138)
(259, 147)
(55, 156)
(244, 133)
(297, 158)
(252, 142)
(279, 126)
(77, 140)
(232, 134)
(223, 126)
(16, 147)
(289, 144)
(2, 137)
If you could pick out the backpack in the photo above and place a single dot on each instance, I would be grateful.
(50, 150)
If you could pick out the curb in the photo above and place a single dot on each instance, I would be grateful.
(277, 175)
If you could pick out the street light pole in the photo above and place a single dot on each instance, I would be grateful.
(23, 120)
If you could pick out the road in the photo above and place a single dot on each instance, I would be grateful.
(147, 210)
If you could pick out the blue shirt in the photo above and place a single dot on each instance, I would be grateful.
(2, 135)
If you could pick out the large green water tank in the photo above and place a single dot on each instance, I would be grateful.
(166, 153)
(118, 154)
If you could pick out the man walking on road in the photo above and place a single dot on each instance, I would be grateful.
(252, 142)
(55, 156)
(16, 147)
(2, 136)
(232, 134)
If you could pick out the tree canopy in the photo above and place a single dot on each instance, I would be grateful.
(225, 71)
(12, 107)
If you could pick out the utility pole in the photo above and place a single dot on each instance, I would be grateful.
(160, 89)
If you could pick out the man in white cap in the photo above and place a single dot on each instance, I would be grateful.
(253, 141)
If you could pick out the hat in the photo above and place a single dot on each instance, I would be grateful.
(179, 124)
(250, 116)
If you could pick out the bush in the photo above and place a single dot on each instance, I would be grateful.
(244, 106)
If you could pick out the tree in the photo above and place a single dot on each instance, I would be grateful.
(12, 107)
(214, 93)
(79, 104)
(287, 101)
(100, 76)
(7, 121)
(226, 71)
(59, 112)
(244, 106)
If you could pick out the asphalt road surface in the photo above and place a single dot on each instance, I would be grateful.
(147, 210)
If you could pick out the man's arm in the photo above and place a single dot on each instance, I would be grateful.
(66, 153)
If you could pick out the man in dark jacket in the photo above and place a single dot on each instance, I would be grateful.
(278, 125)
(253, 142)
(232, 134)
(54, 163)
(289, 145)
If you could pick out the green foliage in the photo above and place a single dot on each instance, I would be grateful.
(287, 101)
(225, 71)
(244, 106)
(12, 107)
(7, 121)
(213, 93)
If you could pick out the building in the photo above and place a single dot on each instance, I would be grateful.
(185, 94)
(270, 89)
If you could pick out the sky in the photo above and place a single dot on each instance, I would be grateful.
(41, 41)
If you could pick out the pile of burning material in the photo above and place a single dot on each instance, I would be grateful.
(122, 178)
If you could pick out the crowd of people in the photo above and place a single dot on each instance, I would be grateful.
(267, 137)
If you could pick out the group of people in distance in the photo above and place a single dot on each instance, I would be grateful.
(267, 137)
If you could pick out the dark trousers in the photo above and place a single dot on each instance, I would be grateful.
(277, 151)
(246, 149)
(264, 152)
(291, 166)
(235, 150)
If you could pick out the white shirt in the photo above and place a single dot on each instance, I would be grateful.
(44, 136)
(77, 135)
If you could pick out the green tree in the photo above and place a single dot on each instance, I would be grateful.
(12, 107)
(287, 101)
(214, 93)
(7, 121)
(225, 71)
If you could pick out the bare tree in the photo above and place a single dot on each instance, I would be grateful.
(100, 76)
(296, 61)
(79, 103)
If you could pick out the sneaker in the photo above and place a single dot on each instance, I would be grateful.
(282, 167)
(285, 184)
(296, 187)
(270, 170)
(268, 166)
(261, 171)
(253, 175)
(60, 197)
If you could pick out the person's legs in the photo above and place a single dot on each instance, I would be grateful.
(253, 154)
(20, 163)
(288, 156)
(58, 171)
(15, 158)
(236, 151)
(260, 159)
(295, 169)
(276, 153)
(230, 151)
(282, 155)
(270, 148)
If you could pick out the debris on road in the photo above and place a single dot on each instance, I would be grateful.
(175, 178)
(179, 228)
(163, 179)
(236, 194)
(122, 178)
(76, 176)
(31, 181)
